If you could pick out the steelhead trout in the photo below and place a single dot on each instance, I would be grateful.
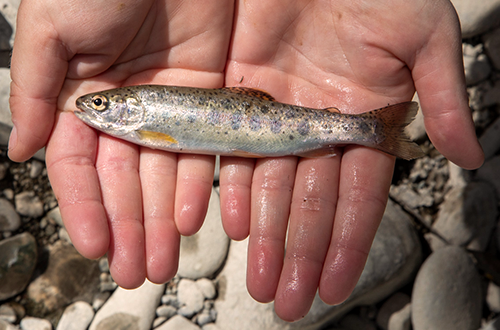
(241, 122)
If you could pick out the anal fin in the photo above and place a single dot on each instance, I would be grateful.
(156, 137)
(323, 152)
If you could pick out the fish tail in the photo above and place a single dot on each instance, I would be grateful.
(395, 118)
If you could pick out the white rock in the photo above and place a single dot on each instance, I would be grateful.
(134, 309)
(5, 116)
(4, 325)
(55, 215)
(394, 257)
(477, 18)
(166, 311)
(493, 297)
(210, 326)
(492, 46)
(492, 325)
(9, 219)
(202, 254)
(7, 313)
(34, 323)
(447, 292)
(477, 68)
(207, 287)
(396, 303)
(466, 217)
(76, 316)
(28, 204)
(178, 322)
(190, 297)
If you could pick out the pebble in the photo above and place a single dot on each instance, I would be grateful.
(206, 287)
(28, 204)
(194, 261)
(36, 169)
(447, 292)
(55, 216)
(76, 316)
(476, 19)
(4, 325)
(9, 219)
(18, 257)
(395, 313)
(166, 311)
(476, 64)
(490, 139)
(489, 173)
(492, 47)
(466, 217)
(7, 313)
(129, 309)
(493, 297)
(178, 322)
(35, 323)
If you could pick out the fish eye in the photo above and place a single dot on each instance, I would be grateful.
(99, 102)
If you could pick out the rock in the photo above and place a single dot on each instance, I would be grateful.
(76, 316)
(36, 169)
(489, 173)
(485, 94)
(492, 325)
(4, 325)
(466, 217)
(210, 326)
(492, 46)
(8, 9)
(447, 292)
(9, 219)
(477, 67)
(389, 316)
(129, 309)
(493, 297)
(207, 287)
(476, 19)
(7, 313)
(490, 139)
(356, 322)
(18, 256)
(405, 195)
(34, 323)
(178, 322)
(28, 204)
(55, 215)
(190, 298)
(194, 261)
(5, 121)
(393, 259)
(166, 311)
(69, 277)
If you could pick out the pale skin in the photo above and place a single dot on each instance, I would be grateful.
(133, 203)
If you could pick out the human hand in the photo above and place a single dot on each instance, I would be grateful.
(114, 196)
(356, 56)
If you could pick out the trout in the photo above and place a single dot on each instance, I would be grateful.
(241, 122)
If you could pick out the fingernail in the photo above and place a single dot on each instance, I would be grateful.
(13, 138)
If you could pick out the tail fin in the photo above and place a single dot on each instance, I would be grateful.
(395, 118)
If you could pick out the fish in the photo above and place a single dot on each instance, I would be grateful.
(241, 121)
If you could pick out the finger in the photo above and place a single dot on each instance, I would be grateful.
(158, 172)
(235, 180)
(70, 158)
(440, 84)
(195, 175)
(117, 167)
(311, 222)
(38, 69)
(270, 197)
(365, 178)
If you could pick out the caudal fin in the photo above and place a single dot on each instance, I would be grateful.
(395, 118)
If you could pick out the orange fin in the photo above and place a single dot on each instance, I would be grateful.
(395, 118)
(252, 92)
(332, 109)
(324, 152)
(156, 136)
(246, 154)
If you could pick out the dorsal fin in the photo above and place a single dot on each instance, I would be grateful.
(250, 91)
(332, 109)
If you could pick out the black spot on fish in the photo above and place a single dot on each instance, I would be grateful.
(236, 121)
(264, 109)
(290, 112)
(177, 123)
(303, 127)
(191, 119)
(213, 118)
(291, 137)
(254, 123)
(276, 126)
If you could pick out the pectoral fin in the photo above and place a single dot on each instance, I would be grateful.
(155, 137)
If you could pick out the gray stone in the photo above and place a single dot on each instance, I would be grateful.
(207, 287)
(493, 297)
(4, 325)
(178, 322)
(5, 117)
(356, 322)
(405, 195)
(477, 67)
(447, 292)
(484, 94)
(166, 311)
(394, 258)
(68, 278)
(489, 173)
(477, 18)
(76, 316)
(396, 303)
(36, 169)
(55, 215)
(8, 9)
(492, 46)
(466, 217)
(194, 261)
(129, 309)
(9, 219)
(28, 204)
(34, 323)
(18, 256)
(190, 297)
(401, 320)
(490, 139)
(7, 313)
